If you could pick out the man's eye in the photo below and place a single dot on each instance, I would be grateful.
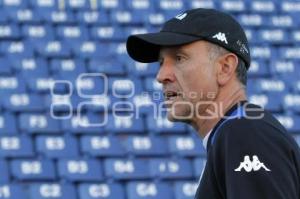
(179, 58)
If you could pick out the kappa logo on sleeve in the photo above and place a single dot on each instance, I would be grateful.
(254, 165)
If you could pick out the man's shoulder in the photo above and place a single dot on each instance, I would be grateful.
(255, 124)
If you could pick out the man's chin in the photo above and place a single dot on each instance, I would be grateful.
(178, 117)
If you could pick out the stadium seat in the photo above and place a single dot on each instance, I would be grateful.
(51, 190)
(78, 169)
(122, 169)
(149, 190)
(101, 190)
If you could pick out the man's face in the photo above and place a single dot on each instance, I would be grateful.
(189, 80)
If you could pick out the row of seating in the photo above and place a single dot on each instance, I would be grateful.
(259, 6)
(70, 146)
(133, 190)
(95, 170)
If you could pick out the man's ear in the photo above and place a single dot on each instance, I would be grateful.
(226, 67)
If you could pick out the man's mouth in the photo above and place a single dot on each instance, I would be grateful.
(170, 95)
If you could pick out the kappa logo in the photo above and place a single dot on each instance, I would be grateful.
(254, 165)
(181, 16)
(221, 37)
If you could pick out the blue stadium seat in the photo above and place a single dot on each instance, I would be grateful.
(4, 178)
(67, 67)
(107, 33)
(163, 125)
(149, 190)
(11, 84)
(171, 168)
(56, 17)
(295, 36)
(270, 85)
(6, 68)
(106, 66)
(141, 69)
(151, 84)
(155, 18)
(259, 6)
(101, 190)
(251, 20)
(77, 5)
(185, 189)
(124, 123)
(186, 146)
(146, 146)
(110, 4)
(51, 190)
(23, 102)
(11, 31)
(17, 48)
(259, 68)
(290, 53)
(33, 169)
(8, 124)
(41, 84)
(270, 101)
(125, 169)
(16, 4)
(16, 147)
(102, 146)
(124, 87)
(3, 15)
(199, 164)
(262, 52)
(140, 5)
(30, 67)
(84, 123)
(13, 191)
(274, 36)
(210, 4)
(57, 146)
(235, 6)
(44, 5)
(289, 6)
(54, 48)
(78, 170)
(126, 17)
(281, 21)
(38, 123)
(292, 102)
(24, 15)
(90, 50)
(92, 17)
(290, 122)
(72, 33)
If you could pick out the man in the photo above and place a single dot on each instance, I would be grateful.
(204, 58)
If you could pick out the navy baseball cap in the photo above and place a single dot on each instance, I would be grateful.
(193, 25)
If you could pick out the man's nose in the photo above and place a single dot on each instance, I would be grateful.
(165, 74)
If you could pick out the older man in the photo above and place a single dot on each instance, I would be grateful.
(204, 58)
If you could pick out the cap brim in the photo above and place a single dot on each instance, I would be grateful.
(145, 47)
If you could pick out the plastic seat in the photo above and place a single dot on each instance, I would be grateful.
(33, 169)
(151, 190)
(38, 123)
(185, 189)
(57, 146)
(101, 190)
(124, 169)
(170, 168)
(102, 146)
(78, 170)
(54, 190)
(16, 147)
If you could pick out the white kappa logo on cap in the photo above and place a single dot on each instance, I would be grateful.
(221, 37)
(181, 16)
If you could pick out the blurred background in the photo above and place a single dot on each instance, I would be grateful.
(68, 92)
